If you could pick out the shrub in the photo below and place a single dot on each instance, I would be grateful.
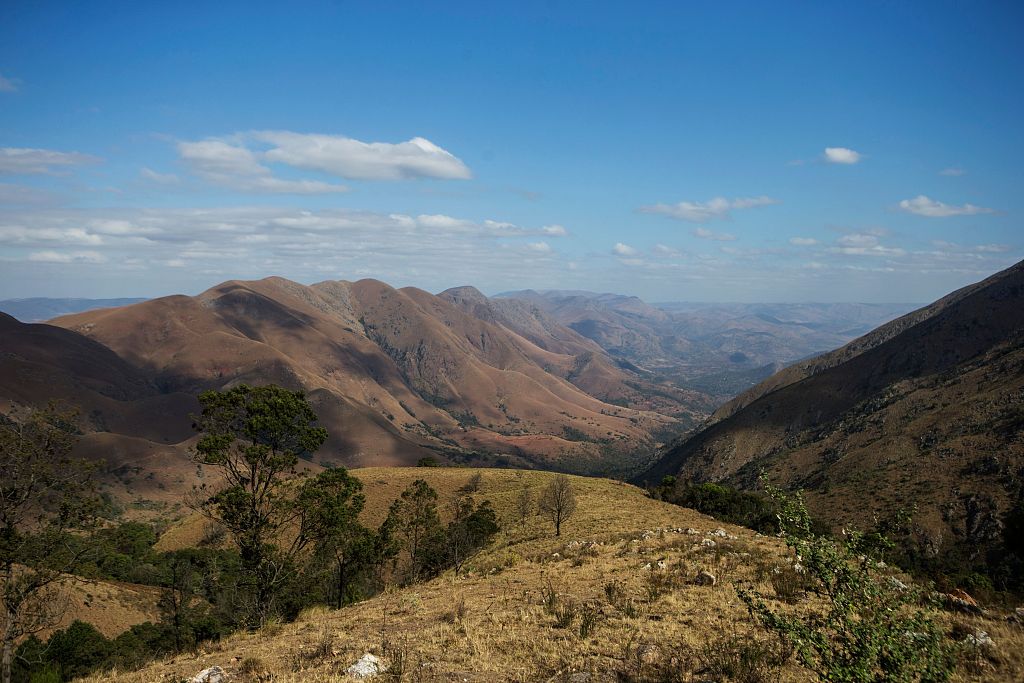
(869, 628)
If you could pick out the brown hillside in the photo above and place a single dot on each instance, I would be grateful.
(928, 413)
(395, 375)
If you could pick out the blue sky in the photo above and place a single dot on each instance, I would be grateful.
(715, 151)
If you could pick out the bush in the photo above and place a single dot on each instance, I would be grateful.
(870, 628)
(724, 503)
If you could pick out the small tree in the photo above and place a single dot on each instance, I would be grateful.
(524, 504)
(254, 437)
(45, 493)
(331, 503)
(469, 530)
(414, 521)
(558, 501)
(870, 628)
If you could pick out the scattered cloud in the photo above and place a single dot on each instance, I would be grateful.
(66, 257)
(621, 249)
(539, 247)
(864, 244)
(8, 84)
(666, 251)
(705, 234)
(703, 212)
(803, 241)
(953, 171)
(554, 230)
(238, 168)
(31, 161)
(159, 178)
(355, 160)
(841, 155)
(924, 206)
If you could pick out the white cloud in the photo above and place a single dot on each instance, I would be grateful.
(863, 244)
(666, 251)
(924, 206)
(841, 155)
(356, 160)
(8, 84)
(621, 249)
(703, 212)
(67, 257)
(539, 247)
(159, 178)
(803, 241)
(705, 234)
(953, 171)
(26, 160)
(554, 230)
(238, 168)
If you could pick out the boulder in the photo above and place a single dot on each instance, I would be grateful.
(705, 578)
(214, 674)
(367, 666)
(960, 601)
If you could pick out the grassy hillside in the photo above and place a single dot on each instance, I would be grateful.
(614, 597)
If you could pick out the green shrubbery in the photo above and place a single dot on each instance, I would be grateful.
(722, 502)
(868, 627)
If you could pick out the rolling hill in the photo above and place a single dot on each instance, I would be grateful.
(395, 376)
(925, 412)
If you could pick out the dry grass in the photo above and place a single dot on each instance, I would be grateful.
(536, 608)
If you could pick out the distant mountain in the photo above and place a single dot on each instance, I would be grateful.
(38, 309)
(721, 349)
(925, 411)
(395, 375)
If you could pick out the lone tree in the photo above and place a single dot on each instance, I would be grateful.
(45, 494)
(254, 436)
(558, 501)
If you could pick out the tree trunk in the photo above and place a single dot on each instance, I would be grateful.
(7, 656)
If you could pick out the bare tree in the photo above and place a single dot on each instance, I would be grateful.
(45, 495)
(558, 501)
(524, 504)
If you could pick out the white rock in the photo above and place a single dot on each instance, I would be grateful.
(721, 533)
(708, 543)
(979, 639)
(368, 666)
(214, 674)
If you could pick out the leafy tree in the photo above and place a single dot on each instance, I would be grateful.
(254, 437)
(469, 530)
(558, 501)
(332, 501)
(44, 494)
(414, 522)
(78, 650)
(870, 628)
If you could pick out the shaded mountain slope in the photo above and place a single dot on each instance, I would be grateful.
(395, 375)
(927, 411)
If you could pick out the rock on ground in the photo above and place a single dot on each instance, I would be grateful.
(214, 674)
(368, 666)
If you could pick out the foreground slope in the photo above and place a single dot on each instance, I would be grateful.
(497, 622)
(925, 412)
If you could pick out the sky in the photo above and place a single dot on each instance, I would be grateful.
(682, 151)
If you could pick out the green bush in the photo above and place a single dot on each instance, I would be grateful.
(723, 503)
(870, 628)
